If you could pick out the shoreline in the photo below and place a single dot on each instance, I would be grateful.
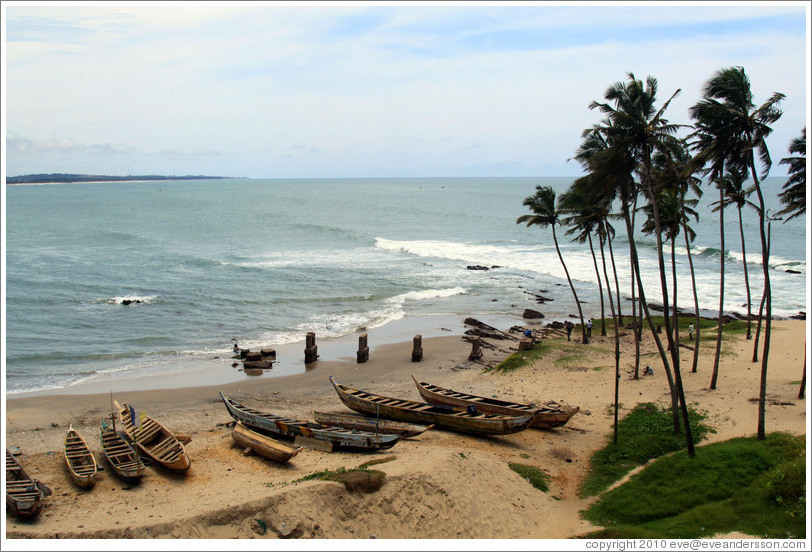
(438, 485)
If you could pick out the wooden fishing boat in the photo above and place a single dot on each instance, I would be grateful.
(80, 460)
(304, 431)
(153, 440)
(23, 493)
(547, 416)
(365, 423)
(121, 456)
(467, 421)
(254, 441)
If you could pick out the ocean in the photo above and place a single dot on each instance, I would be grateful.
(206, 262)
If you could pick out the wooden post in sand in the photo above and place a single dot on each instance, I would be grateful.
(417, 348)
(476, 351)
(311, 350)
(363, 350)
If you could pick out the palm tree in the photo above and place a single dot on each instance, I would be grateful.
(794, 190)
(584, 213)
(730, 118)
(542, 205)
(636, 125)
(736, 194)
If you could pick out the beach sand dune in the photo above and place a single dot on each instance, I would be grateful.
(438, 485)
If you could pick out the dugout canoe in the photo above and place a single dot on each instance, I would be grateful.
(547, 416)
(365, 423)
(291, 428)
(468, 421)
(152, 439)
(80, 460)
(24, 494)
(121, 456)
(254, 441)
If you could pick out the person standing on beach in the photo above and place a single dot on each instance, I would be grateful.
(691, 332)
(568, 325)
(589, 328)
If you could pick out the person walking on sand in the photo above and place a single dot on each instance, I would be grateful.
(589, 328)
(691, 332)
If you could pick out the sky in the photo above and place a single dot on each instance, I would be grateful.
(363, 89)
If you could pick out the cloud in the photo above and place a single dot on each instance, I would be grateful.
(25, 146)
(360, 86)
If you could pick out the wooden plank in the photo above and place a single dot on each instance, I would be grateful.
(315, 444)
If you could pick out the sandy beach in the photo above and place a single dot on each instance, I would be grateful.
(439, 485)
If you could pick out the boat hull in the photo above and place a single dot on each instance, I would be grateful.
(80, 460)
(121, 456)
(365, 423)
(23, 494)
(546, 417)
(154, 441)
(423, 413)
(262, 444)
(288, 427)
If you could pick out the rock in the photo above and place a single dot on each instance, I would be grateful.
(284, 532)
(477, 267)
(257, 365)
(530, 313)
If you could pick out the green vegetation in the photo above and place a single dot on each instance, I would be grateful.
(645, 433)
(360, 479)
(746, 485)
(520, 359)
(536, 477)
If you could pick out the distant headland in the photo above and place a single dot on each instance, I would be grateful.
(66, 178)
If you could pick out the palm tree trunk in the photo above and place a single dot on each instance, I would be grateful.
(802, 390)
(674, 302)
(600, 286)
(572, 287)
(696, 299)
(715, 374)
(617, 284)
(746, 276)
(765, 265)
(644, 307)
(617, 341)
(758, 326)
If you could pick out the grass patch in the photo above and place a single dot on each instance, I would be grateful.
(755, 487)
(521, 359)
(360, 479)
(646, 432)
(536, 477)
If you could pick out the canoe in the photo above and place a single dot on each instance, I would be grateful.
(121, 456)
(23, 493)
(291, 428)
(80, 460)
(365, 423)
(468, 421)
(547, 416)
(253, 441)
(152, 439)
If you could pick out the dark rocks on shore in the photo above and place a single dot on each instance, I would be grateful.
(531, 314)
(477, 267)
(130, 301)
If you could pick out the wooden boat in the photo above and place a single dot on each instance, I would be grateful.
(153, 440)
(469, 421)
(253, 441)
(365, 423)
(121, 456)
(23, 493)
(288, 427)
(80, 460)
(547, 416)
